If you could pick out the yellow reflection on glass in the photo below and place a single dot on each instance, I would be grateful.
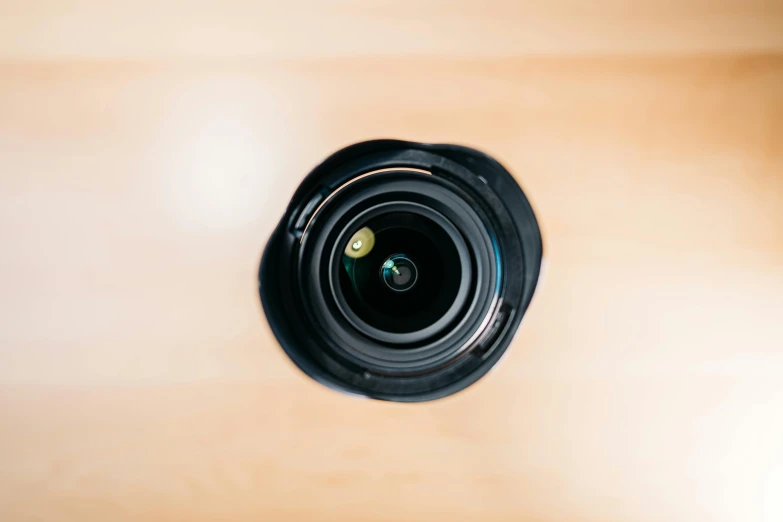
(360, 244)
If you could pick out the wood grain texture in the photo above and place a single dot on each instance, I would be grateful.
(77, 29)
(140, 179)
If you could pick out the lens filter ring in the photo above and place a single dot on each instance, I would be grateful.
(357, 340)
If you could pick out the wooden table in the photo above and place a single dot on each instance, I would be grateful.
(147, 151)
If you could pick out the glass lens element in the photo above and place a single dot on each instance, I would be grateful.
(407, 279)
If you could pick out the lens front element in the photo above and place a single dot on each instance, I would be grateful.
(407, 280)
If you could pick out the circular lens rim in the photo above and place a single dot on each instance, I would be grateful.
(340, 336)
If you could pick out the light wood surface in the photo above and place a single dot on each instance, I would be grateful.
(147, 151)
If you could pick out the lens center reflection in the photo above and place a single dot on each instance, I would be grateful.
(399, 273)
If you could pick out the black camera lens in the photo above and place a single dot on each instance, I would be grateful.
(401, 271)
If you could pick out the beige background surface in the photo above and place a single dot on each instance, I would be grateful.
(147, 151)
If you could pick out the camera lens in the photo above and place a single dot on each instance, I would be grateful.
(401, 271)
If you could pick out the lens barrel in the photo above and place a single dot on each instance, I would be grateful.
(401, 271)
